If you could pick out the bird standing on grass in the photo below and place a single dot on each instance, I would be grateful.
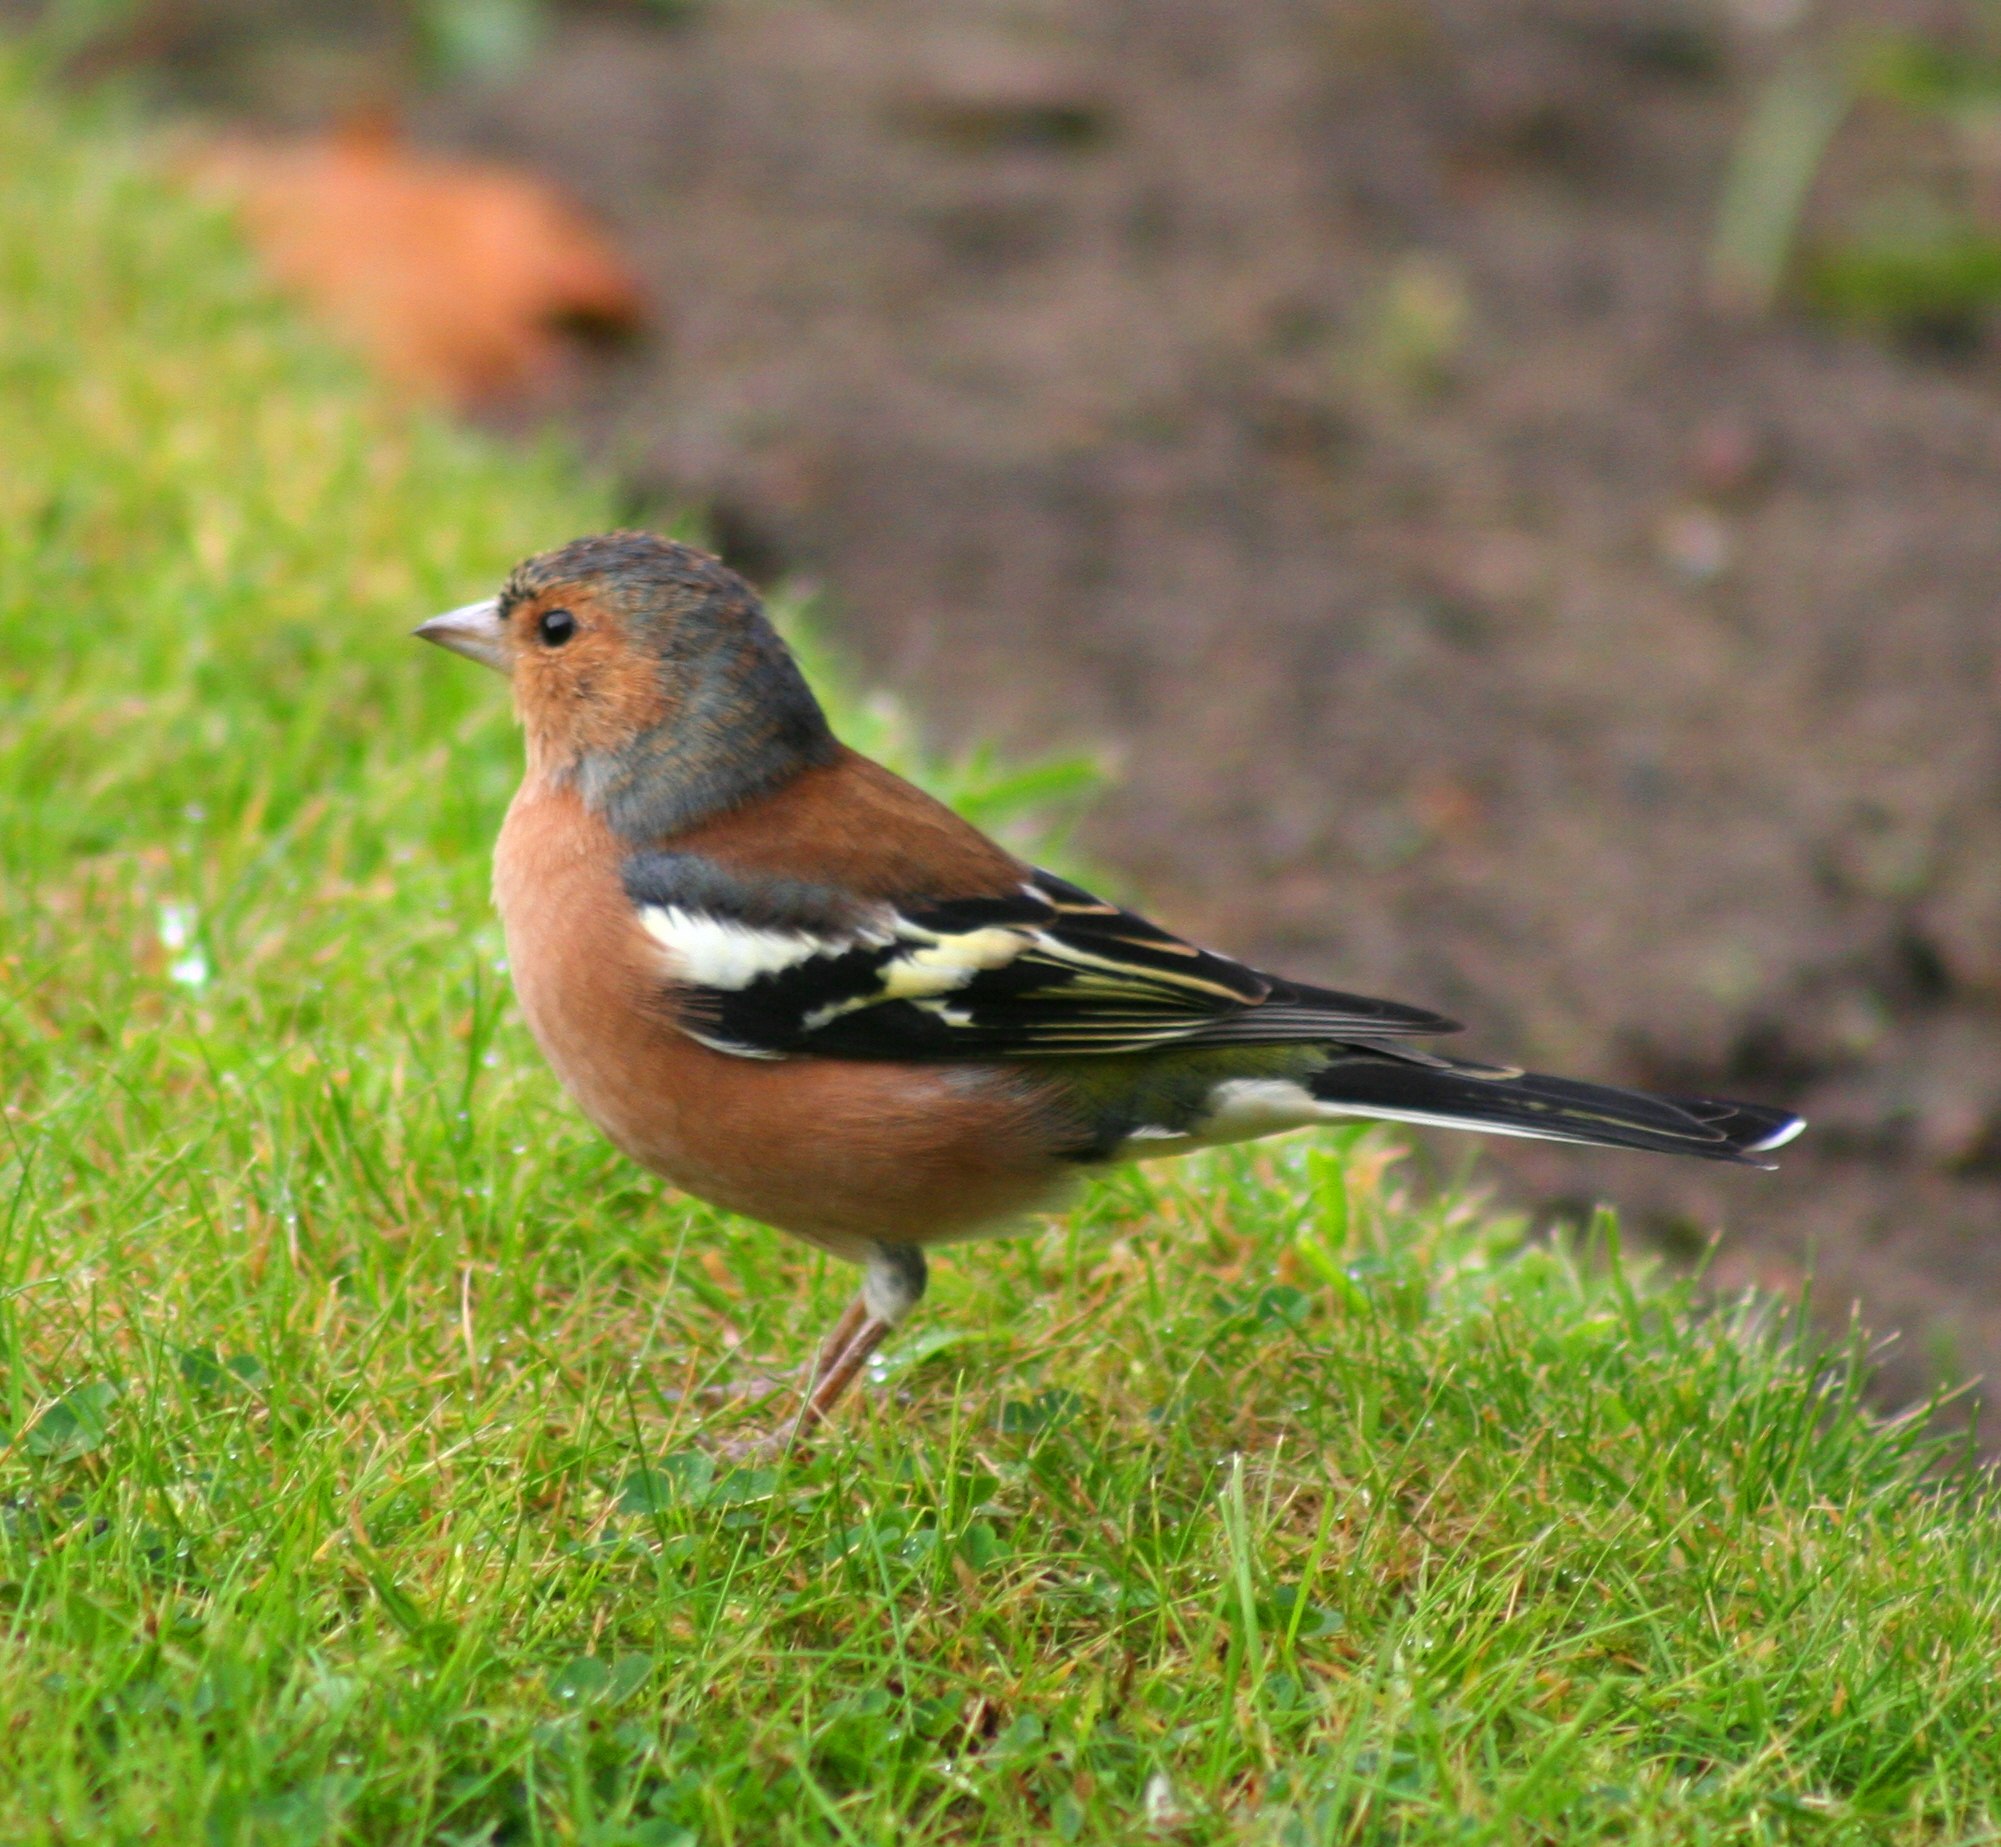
(800, 988)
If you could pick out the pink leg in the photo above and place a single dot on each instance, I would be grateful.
(835, 1345)
(892, 1287)
(833, 1376)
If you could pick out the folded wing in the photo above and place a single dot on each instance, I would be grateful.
(766, 967)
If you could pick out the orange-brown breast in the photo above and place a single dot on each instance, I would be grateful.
(841, 1152)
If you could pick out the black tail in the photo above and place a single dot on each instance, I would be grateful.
(1557, 1109)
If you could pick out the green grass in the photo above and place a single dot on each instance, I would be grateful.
(359, 1410)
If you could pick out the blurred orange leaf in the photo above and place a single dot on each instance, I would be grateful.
(457, 277)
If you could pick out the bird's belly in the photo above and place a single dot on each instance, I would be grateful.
(841, 1152)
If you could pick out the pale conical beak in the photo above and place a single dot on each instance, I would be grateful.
(473, 631)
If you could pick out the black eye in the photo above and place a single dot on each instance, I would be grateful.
(555, 626)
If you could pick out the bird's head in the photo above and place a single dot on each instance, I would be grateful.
(644, 671)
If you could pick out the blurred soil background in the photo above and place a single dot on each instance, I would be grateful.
(1510, 488)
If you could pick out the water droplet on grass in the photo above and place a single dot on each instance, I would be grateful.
(189, 967)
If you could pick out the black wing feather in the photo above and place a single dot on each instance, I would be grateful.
(1047, 971)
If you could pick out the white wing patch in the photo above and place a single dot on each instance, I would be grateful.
(719, 952)
(923, 976)
(946, 962)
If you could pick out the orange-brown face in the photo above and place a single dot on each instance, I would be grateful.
(584, 683)
(584, 657)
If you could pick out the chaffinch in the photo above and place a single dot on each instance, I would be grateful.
(800, 988)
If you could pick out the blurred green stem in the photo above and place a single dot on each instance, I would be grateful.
(1772, 170)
